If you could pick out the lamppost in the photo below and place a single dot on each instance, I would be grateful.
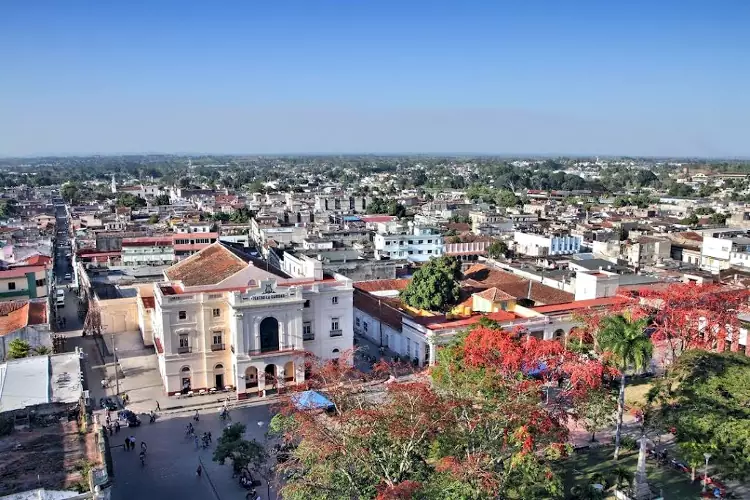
(117, 377)
(267, 472)
(705, 472)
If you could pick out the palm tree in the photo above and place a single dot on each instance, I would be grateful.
(624, 338)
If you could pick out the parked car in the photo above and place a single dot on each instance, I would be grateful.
(129, 417)
(68, 276)
(59, 298)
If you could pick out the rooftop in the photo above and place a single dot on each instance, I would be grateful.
(382, 285)
(210, 266)
(40, 380)
(19, 314)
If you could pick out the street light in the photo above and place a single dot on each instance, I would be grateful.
(705, 472)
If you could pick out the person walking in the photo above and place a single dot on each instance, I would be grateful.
(196, 417)
(127, 444)
(195, 438)
(132, 442)
(117, 426)
(158, 408)
(209, 437)
(199, 470)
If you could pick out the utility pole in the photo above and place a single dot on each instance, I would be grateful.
(117, 377)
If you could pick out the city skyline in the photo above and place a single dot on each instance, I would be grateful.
(437, 78)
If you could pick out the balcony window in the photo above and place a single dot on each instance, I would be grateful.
(217, 341)
(184, 345)
(182, 314)
(216, 313)
(334, 300)
(335, 331)
(307, 333)
(11, 285)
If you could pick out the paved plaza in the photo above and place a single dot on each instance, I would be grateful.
(172, 459)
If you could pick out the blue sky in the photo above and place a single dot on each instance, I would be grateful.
(544, 77)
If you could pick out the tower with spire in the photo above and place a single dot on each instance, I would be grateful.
(114, 184)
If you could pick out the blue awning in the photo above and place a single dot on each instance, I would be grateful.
(311, 400)
(535, 371)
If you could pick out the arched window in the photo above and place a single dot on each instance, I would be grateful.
(269, 334)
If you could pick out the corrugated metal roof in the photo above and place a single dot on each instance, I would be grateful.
(40, 380)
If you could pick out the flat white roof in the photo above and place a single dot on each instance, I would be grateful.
(40, 380)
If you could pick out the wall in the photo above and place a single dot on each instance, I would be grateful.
(119, 315)
(36, 336)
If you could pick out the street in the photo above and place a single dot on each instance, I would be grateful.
(172, 459)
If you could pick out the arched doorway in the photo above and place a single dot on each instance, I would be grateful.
(289, 372)
(219, 376)
(269, 335)
(559, 334)
(185, 379)
(251, 377)
(270, 379)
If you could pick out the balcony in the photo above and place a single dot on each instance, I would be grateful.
(265, 352)
(184, 350)
(308, 336)
(217, 347)
(337, 333)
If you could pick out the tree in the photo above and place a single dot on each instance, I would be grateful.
(596, 410)
(8, 207)
(704, 399)
(244, 454)
(718, 219)
(130, 200)
(692, 316)
(497, 249)
(69, 192)
(162, 199)
(41, 350)
(623, 338)
(18, 348)
(506, 198)
(477, 431)
(434, 286)
(153, 219)
(690, 220)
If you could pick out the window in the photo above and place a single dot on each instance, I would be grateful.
(420, 252)
(429, 251)
(335, 332)
(217, 338)
(421, 241)
(11, 285)
(365, 326)
(387, 242)
(307, 303)
(182, 314)
(334, 300)
(216, 313)
(357, 321)
(184, 341)
(41, 282)
(429, 241)
(411, 242)
(307, 333)
(411, 252)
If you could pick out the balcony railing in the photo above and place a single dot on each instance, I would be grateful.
(308, 336)
(259, 352)
(184, 350)
(337, 333)
(217, 347)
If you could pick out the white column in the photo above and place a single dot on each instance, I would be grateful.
(239, 328)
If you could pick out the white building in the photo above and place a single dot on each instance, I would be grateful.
(722, 249)
(148, 251)
(411, 243)
(219, 321)
(540, 245)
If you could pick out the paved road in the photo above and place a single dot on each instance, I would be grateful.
(171, 459)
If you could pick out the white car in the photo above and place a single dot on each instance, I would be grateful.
(59, 298)
(68, 276)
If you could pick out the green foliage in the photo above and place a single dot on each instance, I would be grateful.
(596, 410)
(383, 206)
(624, 338)
(626, 442)
(704, 211)
(241, 215)
(244, 454)
(434, 286)
(690, 220)
(154, 219)
(497, 249)
(6, 425)
(70, 192)
(706, 398)
(637, 200)
(18, 348)
(682, 190)
(8, 208)
(130, 200)
(718, 219)
(162, 199)
(41, 350)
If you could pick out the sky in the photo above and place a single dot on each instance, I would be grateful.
(647, 78)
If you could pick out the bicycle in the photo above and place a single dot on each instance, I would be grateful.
(142, 456)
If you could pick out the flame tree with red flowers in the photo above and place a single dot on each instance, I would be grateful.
(477, 428)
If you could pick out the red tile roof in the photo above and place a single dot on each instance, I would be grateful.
(372, 219)
(382, 285)
(19, 314)
(582, 304)
(148, 302)
(210, 266)
(38, 260)
(494, 294)
(382, 308)
(499, 316)
(481, 277)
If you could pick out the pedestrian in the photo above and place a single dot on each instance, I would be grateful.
(195, 438)
(196, 417)
(109, 426)
(199, 470)
(209, 437)
(158, 408)
(117, 426)
(127, 444)
(132, 442)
